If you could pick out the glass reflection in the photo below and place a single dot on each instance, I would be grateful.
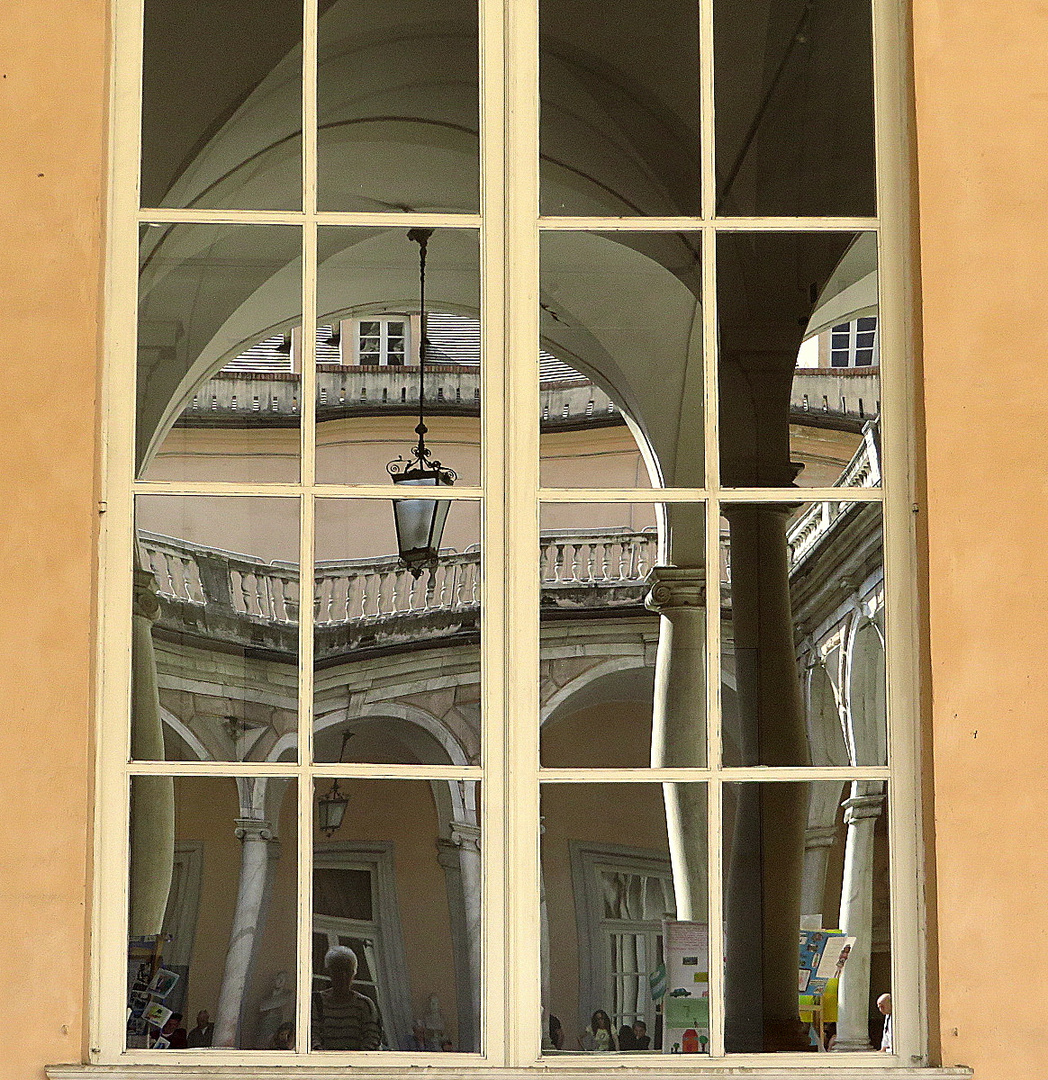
(622, 367)
(813, 857)
(794, 108)
(211, 947)
(619, 96)
(605, 584)
(803, 677)
(799, 366)
(368, 377)
(397, 661)
(396, 917)
(398, 106)
(221, 108)
(215, 646)
(219, 353)
(624, 918)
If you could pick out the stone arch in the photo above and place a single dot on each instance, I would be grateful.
(865, 693)
(185, 735)
(410, 719)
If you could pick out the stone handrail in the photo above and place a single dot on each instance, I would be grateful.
(240, 398)
(864, 470)
(370, 590)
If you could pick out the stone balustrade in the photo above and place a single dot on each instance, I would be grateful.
(864, 470)
(274, 398)
(595, 568)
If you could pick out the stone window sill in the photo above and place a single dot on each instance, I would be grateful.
(368, 1072)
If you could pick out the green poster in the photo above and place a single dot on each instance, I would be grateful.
(687, 1012)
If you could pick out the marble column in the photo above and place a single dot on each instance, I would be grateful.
(853, 996)
(678, 732)
(256, 837)
(765, 868)
(818, 839)
(459, 855)
(152, 797)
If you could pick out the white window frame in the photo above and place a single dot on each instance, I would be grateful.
(384, 322)
(587, 862)
(852, 347)
(511, 1027)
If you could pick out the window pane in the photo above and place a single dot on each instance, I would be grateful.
(604, 584)
(803, 678)
(222, 105)
(794, 108)
(621, 360)
(211, 947)
(781, 298)
(416, 951)
(215, 654)
(812, 856)
(619, 107)
(366, 418)
(397, 660)
(219, 353)
(618, 861)
(398, 107)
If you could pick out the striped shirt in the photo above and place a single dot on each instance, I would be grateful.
(352, 1023)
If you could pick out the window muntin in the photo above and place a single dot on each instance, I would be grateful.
(520, 541)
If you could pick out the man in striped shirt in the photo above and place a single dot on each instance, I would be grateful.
(342, 1018)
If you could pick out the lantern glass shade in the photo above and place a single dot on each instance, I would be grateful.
(331, 809)
(420, 522)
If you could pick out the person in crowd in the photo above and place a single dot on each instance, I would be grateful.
(175, 1033)
(884, 1007)
(556, 1033)
(640, 1033)
(627, 1040)
(342, 1018)
(599, 1035)
(204, 1032)
(283, 1037)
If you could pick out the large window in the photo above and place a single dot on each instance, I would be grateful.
(509, 627)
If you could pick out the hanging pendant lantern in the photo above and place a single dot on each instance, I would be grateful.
(331, 808)
(420, 521)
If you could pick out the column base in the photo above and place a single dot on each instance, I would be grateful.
(841, 1045)
(790, 1034)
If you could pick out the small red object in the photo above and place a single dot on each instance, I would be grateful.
(690, 1042)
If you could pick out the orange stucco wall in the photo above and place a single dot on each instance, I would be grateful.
(53, 94)
(982, 115)
(982, 118)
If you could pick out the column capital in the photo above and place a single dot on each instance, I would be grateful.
(146, 604)
(254, 829)
(676, 587)
(465, 836)
(819, 836)
(734, 511)
(862, 806)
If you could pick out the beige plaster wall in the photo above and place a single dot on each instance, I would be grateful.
(982, 118)
(53, 90)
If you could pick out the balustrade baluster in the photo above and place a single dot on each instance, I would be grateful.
(604, 548)
(169, 586)
(286, 608)
(245, 591)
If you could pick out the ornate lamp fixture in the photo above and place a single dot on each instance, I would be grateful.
(331, 808)
(420, 522)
